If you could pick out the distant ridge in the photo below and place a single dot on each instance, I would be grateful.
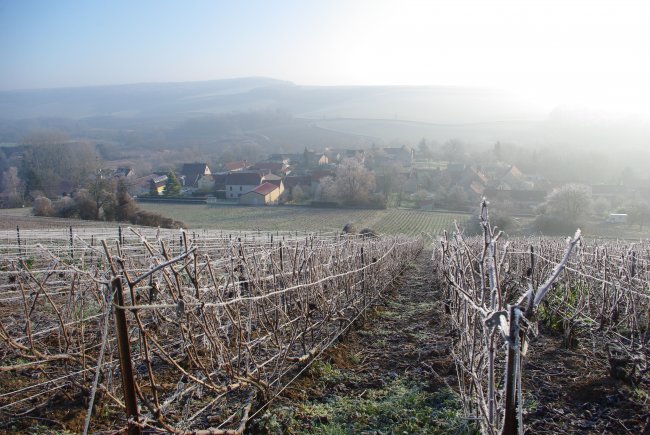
(430, 104)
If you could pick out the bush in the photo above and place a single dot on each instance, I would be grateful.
(553, 225)
(86, 206)
(43, 207)
(66, 207)
(368, 233)
(149, 219)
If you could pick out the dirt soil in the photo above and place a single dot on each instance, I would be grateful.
(395, 374)
(571, 391)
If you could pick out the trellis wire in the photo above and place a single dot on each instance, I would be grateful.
(216, 321)
(497, 292)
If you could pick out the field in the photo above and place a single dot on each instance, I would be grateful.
(22, 217)
(391, 221)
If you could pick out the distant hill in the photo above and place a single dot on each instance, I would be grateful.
(436, 104)
(186, 112)
(136, 100)
(276, 115)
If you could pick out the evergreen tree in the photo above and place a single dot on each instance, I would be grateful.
(153, 191)
(172, 186)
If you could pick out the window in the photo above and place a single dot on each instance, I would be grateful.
(230, 187)
(240, 188)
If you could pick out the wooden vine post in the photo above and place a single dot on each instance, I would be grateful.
(513, 367)
(124, 348)
(126, 365)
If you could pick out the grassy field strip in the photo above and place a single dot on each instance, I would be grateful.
(391, 221)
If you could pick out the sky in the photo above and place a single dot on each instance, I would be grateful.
(590, 53)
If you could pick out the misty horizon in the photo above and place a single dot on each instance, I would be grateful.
(575, 53)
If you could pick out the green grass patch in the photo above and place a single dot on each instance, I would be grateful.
(400, 407)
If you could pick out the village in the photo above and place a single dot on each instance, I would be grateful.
(399, 178)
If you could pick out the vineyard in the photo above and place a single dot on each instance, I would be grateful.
(499, 294)
(184, 331)
(199, 331)
(390, 221)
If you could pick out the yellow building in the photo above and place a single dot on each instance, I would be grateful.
(264, 194)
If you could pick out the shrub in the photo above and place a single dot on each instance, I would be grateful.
(66, 207)
(553, 225)
(43, 207)
(368, 233)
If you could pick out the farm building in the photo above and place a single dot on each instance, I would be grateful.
(264, 194)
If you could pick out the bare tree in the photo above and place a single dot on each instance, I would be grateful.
(101, 191)
(571, 202)
(55, 165)
(639, 214)
(12, 188)
(352, 183)
(565, 209)
(392, 180)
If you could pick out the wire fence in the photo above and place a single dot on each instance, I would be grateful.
(185, 331)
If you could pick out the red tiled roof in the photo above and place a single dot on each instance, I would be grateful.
(264, 189)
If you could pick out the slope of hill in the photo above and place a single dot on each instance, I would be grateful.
(439, 104)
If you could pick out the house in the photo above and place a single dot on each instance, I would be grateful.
(521, 201)
(402, 155)
(281, 158)
(304, 181)
(277, 168)
(336, 155)
(124, 172)
(264, 194)
(239, 165)
(143, 185)
(313, 158)
(191, 172)
(471, 179)
(609, 191)
(206, 182)
(238, 183)
(317, 176)
(275, 180)
(513, 178)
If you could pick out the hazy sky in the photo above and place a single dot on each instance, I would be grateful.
(554, 51)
